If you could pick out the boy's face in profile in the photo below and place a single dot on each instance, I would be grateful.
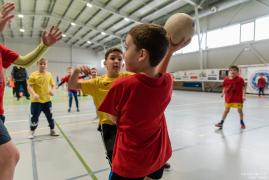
(131, 54)
(233, 72)
(42, 65)
(113, 62)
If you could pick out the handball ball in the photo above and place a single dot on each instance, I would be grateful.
(179, 26)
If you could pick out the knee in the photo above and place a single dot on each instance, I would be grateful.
(11, 157)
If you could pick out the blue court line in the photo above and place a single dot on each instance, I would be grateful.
(34, 165)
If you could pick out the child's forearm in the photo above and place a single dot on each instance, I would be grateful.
(31, 57)
(31, 90)
(162, 67)
(73, 82)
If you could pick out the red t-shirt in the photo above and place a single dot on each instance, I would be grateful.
(233, 89)
(142, 143)
(261, 82)
(7, 57)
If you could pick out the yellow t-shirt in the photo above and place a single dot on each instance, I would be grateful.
(41, 84)
(98, 89)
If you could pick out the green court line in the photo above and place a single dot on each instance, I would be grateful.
(86, 166)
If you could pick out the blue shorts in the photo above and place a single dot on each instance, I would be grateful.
(4, 136)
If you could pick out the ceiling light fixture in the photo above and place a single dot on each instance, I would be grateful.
(89, 5)
(73, 24)
(126, 19)
(89, 42)
(63, 35)
(22, 30)
(20, 15)
(103, 33)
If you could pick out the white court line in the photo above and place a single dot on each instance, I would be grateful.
(63, 125)
(55, 117)
(190, 104)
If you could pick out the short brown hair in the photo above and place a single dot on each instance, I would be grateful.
(114, 49)
(151, 37)
(41, 60)
(234, 67)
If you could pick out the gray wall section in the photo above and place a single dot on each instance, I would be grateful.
(224, 56)
(59, 56)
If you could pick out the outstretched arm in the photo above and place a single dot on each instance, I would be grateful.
(73, 82)
(48, 39)
(171, 49)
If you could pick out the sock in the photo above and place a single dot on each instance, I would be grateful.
(222, 121)
(242, 122)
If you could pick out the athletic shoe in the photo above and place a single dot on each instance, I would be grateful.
(69, 109)
(243, 126)
(31, 135)
(167, 166)
(219, 125)
(53, 133)
(77, 109)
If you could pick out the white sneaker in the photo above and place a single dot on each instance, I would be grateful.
(31, 135)
(53, 133)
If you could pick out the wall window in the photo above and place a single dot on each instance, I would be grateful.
(224, 36)
(262, 28)
(247, 32)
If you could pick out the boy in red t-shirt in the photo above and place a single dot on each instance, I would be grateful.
(261, 84)
(72, 92)
(234, 93)
(137, 104)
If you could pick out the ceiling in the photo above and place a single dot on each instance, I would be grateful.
(97, 24)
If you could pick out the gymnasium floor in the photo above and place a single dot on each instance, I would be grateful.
(200, 152)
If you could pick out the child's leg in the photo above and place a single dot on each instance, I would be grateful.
(260, 90)
(108, 133)
(70, 96)
(241, 115)
(47, 111)
(224, 115)
(9, 156)
(35, 112)
(75, 94)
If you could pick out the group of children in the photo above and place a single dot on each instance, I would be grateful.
(130, 104)
(9, 154)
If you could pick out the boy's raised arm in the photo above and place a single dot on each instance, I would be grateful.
(48, 39)
(162, 67)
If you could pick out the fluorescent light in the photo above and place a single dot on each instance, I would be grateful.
(89, 5)
(63, 35)
(89, 42)
(73, 24)
(20, 15)
(103, 33)
(126, 19)
(22, 30)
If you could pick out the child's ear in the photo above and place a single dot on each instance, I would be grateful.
(144, 55)
(104, 62)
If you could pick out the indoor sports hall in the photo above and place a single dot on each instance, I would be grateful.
(217, 117)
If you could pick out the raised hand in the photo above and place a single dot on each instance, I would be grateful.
(5, 16)
(51, 37)
(175, 47)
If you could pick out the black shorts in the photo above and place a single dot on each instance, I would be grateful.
(4, 136)
(156, 175)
